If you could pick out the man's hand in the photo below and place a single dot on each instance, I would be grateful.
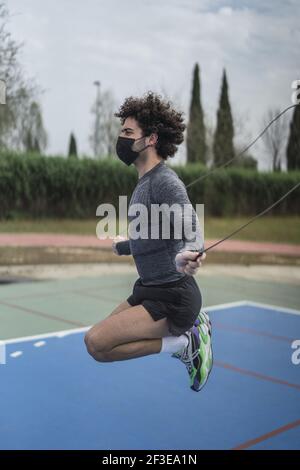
(187, 263)
(117, 239)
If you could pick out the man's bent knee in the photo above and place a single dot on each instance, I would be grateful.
(97, 349)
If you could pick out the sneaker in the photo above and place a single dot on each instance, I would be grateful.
(202, 318)
(197, 356)
(205, 357)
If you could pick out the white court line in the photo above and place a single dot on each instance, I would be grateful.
(240, 303)
(39, 344)
(243, 303)
(276, 308)
(16, 354)
(62, 333)
(57, 334)
(2, 353)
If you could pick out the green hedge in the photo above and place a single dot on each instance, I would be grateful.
(239, 192)
(37, 186)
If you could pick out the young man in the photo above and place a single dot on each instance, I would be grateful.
(163, 313)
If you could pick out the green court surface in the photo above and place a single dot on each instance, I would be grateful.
(38, 307)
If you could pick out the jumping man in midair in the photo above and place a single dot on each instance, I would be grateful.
(163, 313)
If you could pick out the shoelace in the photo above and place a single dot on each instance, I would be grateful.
(186, 357)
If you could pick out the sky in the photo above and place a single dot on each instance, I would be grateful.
(139, 45)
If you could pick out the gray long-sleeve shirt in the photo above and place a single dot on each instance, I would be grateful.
(162, 223)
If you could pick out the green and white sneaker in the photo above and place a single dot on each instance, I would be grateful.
(202, 318)
(197, 356)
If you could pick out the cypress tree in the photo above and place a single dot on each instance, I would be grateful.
(72, 146)
(293, 147)
(196, 141)
(36, 147)
(223, 148)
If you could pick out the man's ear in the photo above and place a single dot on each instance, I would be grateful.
(154, 138)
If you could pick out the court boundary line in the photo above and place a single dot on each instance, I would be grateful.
(251, 331)
(256, 375)
(276, 308)
(37, 313)
(268, 435)
(62, 333)
(253, 303)
(239, 303)
(54, 334)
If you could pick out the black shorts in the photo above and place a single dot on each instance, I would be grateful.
(179, 301)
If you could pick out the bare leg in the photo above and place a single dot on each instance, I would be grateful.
(131, 350)
(122, 306)
(133, 325)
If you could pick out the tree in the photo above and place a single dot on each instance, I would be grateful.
(20, 92)
(242, 140)
(72, 147)
(196, 141)
(33, 136)
(223, 148)
(275, 138)
(106, 126)
(293, 146)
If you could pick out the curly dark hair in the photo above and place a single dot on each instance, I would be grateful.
(155, 115)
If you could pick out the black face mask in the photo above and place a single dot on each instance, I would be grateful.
(124, 149)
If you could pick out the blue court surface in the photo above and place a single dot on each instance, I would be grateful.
(55, 396)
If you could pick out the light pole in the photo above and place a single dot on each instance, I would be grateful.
(2, 92)
(97, 120)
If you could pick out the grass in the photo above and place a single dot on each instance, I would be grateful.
(267, 229)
